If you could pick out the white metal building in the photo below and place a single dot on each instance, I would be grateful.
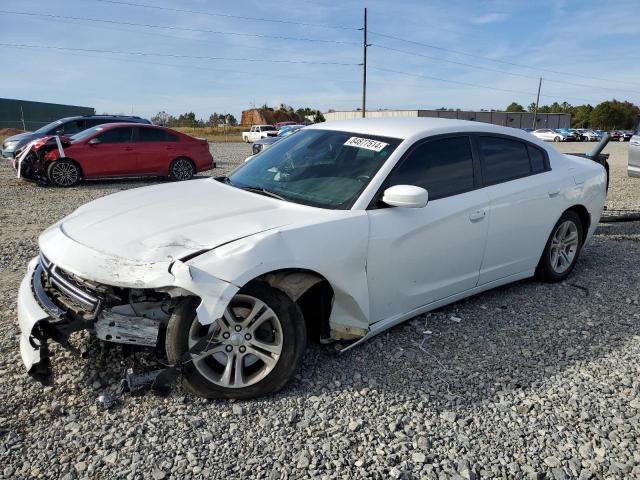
(506, 119)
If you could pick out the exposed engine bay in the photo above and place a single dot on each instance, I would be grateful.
(31, 161)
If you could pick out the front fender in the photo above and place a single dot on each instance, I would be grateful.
(335, 250)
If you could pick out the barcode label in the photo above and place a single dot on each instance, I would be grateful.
(366, 143)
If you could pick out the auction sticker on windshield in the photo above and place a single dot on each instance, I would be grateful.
(366, 143)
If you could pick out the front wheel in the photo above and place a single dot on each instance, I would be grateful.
(181, 169)
(563, 247)
(64, 173)
(253, 350)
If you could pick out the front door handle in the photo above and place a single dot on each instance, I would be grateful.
(477, 215)
(634, 143)
(554, 193)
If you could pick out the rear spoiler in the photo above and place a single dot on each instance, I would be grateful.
(596, 154)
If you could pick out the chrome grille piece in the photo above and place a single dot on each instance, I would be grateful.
(65, 285)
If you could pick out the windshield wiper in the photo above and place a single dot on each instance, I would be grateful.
(264, 191)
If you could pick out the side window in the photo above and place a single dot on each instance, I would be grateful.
(537, 159)
(638, 129)
(117, 135)
(503, 159)
(444, 167)
(94, 122)
(154, 135)
(73, 127)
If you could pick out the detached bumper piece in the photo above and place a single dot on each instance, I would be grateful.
(40, 320)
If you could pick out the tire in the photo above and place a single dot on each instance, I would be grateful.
(554, 267)
(556, 139)
(182, 168)
(282, 331)
(64, 173)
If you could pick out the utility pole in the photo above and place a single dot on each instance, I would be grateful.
(535, 110)
(364, 66)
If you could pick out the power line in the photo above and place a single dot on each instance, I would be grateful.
(451, 81)
(475, 85)
(473, 55)
(488, 69)
(172, 55)
(168, 27)
(226, 15)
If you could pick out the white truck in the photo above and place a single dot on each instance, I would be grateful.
(259, 131)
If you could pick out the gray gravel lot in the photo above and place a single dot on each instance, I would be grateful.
(526, 381)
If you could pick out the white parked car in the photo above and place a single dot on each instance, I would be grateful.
(345, 228)
(549, 135)
(259, 131)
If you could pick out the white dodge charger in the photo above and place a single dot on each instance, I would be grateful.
(340, 232)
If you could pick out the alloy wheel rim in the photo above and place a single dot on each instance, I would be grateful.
(182, 169)
(64, 174)
(246, 344)
(564, 246)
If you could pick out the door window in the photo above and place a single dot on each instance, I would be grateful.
(155, 135)
(117, 135)
(443, 167)
(503, 159)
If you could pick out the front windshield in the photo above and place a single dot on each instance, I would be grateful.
(322, 168)
(78, 137)
(48, 126)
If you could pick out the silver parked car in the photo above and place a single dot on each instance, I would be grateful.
(549, 135)
(633, 169)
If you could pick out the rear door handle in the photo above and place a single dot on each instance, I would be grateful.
(477, 215)
(554, 193)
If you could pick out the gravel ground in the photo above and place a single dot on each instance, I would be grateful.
(526, 381)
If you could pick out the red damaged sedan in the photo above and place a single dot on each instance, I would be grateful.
(114, 150)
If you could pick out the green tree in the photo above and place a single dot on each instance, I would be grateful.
(515, 107)
(161, 118)
(581, 116)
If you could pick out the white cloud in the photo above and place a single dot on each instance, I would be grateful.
(494, 17)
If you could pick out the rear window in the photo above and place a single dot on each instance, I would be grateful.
(537, 159)
(503, 159)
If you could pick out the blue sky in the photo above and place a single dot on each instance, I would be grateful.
(595, 43)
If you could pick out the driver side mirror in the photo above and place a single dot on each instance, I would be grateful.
(408, 196)
(94, 141)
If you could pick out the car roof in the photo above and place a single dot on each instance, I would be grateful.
(128, 124)
(79, 117)
(408, 127)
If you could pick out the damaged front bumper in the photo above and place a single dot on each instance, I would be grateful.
(30, 313)
(46, 291)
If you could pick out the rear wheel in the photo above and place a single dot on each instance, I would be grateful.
(181, 168)
(253, 350)
(563, 247)
(556, 139)
(64, 173)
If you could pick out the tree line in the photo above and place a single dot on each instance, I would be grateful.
(609, 115)
(189, 119)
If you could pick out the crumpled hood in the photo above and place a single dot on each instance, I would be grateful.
(170, 221)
